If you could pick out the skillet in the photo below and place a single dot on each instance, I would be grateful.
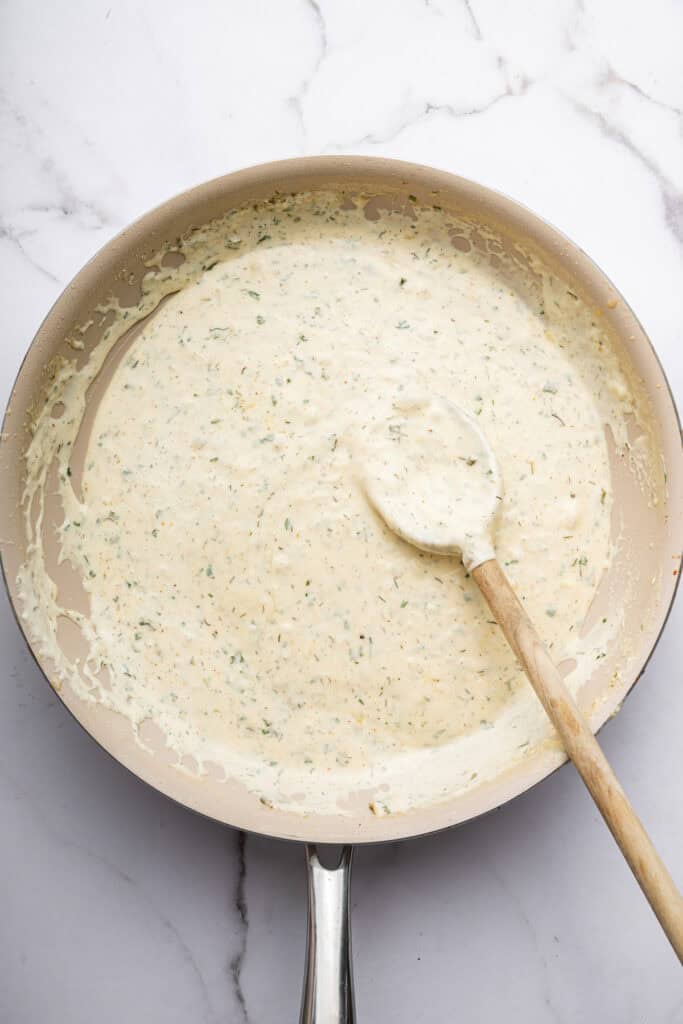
(648, 552)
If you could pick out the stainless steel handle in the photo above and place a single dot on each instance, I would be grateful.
(328, 980)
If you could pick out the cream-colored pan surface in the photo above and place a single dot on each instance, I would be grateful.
(448, 777)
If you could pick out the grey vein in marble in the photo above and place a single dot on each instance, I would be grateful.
(296, 102)
(243, 917)
(11, 235)
(672, 199)
(141, 896)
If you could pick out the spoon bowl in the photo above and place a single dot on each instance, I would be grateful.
(431, 474)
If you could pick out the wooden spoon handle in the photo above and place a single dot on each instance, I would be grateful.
(583, 749)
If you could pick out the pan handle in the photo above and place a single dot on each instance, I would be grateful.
(328, 980)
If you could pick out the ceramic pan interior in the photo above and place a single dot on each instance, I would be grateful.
(652, 537)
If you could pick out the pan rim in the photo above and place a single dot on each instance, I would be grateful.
(375, 169)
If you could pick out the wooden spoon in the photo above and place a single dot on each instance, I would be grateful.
(432, 476)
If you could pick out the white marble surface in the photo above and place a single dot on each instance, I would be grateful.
(116, 904)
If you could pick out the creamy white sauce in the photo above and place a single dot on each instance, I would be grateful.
(237, 589)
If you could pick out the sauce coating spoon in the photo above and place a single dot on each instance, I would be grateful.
(432, 476)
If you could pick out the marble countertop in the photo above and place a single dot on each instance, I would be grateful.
(118, 905)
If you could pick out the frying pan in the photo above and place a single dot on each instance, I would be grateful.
(646, 562)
